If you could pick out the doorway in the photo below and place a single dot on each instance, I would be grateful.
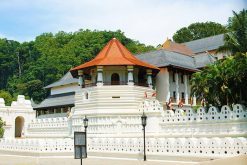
(115, 80)
(19, 124)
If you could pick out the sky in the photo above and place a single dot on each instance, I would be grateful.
(148, 21)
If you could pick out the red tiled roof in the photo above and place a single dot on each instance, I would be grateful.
(176, 47)
(114, 53)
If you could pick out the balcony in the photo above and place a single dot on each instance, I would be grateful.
(114, 83)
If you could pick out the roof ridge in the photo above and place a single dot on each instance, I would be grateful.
(122, 51)
(107, 51)
(204, 38)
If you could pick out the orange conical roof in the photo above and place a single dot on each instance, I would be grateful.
(114, 53)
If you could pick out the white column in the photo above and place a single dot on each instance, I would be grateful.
(177, 88)
(130, 75)
(186, 89)
(99, 75)
(194, 100)
(81, 79)
(149, 78)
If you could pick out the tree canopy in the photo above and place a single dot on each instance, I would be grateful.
(197, 31)
(25, 68)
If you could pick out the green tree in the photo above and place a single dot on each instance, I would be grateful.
(223, 82)
(236, 38)
(197, 31)
(6, 96)
(2, 123)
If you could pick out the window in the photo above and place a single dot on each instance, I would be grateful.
(173, 76)
(182, 95)
(182, 78)
(174, 95)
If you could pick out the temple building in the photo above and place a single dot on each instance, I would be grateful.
(115, 65)
(61, 99)
(177, 63)
(167, 70)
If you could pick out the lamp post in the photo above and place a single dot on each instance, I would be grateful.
(144, 123)
(85, 122)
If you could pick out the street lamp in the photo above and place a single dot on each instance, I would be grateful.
(144, 123)
(85, 122)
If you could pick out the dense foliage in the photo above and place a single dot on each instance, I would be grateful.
(197, 31)
(27, 67)
(225, 81)
(1, 127)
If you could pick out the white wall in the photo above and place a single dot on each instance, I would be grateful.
(109, 70)
(64, 89)
(22, 108)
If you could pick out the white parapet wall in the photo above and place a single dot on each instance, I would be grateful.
(200, 133)
(49, 127)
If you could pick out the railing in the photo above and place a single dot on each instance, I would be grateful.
(141, 84)
(115, 83)
(89, 85)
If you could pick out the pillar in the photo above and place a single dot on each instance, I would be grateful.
(177, 88)
(81, 78)
(99, 75)
(149, 78)
(186, 89)
(130, 70)
(194, 100)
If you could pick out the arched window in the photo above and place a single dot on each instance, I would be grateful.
(19, 124)
(115, 79)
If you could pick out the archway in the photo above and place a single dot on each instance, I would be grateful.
(19, 124)
(115, 80)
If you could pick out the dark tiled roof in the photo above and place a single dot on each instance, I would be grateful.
(203, 59)
(66, 79)
(206, 44)
(60, 100)
(163, 58)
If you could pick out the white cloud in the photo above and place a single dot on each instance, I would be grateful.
(150, 22)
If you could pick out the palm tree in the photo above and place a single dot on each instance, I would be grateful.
(236, 38)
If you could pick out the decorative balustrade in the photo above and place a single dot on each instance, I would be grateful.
(49, 123)
(37, 145)
(204, 147)
(200, 115)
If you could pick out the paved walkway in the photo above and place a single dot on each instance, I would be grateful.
(30, 160)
